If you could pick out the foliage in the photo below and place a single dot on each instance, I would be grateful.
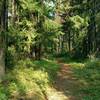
(25, 79)
(88, 75)
(2, 93)
(79, 22)
(33, 32)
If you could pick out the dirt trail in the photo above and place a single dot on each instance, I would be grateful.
(66, 86)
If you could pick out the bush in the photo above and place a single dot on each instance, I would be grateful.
(3, 95)
(27, 78)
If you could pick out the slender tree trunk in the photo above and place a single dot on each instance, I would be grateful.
(39, 52)
(4, 26)
(69, 41)
(92, 29)
(62, 44)
(13, 11)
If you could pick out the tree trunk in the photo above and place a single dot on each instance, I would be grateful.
(69, 42)
(13, 11)
(4, 24)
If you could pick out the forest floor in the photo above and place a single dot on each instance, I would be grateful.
(52, 79)
(66, 86)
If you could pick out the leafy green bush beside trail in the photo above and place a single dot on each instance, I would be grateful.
(28, 80)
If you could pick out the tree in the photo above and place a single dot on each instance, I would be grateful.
(3, 28)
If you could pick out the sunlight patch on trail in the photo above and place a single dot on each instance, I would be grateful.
(53, 94)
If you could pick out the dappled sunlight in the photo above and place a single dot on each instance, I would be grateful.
(25, 82)
(54, 94)
(89, 78)
(50, 61)
(78, 65)
(77, 81)
(28, 82)
(52, 80)
(66, 83)
(49, 50)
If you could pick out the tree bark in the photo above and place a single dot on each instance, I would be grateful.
(3, 28)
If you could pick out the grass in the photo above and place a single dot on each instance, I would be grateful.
(88, 74)
(28, 80)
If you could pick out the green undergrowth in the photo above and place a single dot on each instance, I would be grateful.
(88, 75)
(87, 72)
(28, 80)
(68, 58)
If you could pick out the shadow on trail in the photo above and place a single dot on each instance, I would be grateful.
(67, 83)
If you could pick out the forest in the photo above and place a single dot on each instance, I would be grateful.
(49, 50)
